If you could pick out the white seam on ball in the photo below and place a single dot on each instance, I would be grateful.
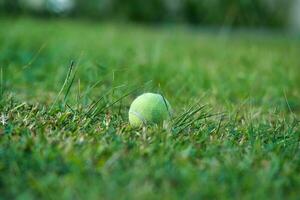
(138, 115)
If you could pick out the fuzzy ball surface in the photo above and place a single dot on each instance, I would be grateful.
(149, 108)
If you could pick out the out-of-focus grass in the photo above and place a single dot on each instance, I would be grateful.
(71, 149)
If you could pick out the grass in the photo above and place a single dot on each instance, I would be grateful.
(66, 88)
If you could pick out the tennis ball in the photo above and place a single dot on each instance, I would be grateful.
(149, 108)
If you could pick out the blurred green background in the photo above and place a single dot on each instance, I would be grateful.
(245, 13)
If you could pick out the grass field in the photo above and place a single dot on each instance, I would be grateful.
(66, 88)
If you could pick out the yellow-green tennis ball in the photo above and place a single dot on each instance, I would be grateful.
(149, 108)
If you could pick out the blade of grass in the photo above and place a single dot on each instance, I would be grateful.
(69, 87)
(1, 83)
(190, 114)
(71, 66)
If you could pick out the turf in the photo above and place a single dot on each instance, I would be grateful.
(66, 88)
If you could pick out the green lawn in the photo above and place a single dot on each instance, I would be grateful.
(78, 144)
